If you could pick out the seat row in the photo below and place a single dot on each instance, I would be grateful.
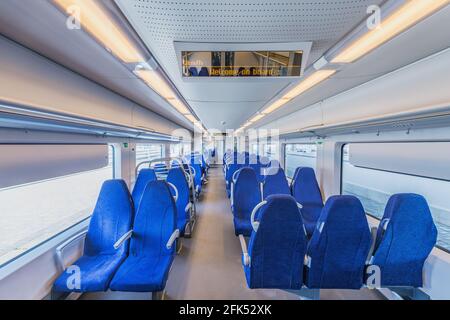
(129, 246)
(131, 239)
(247, 191)
(341, 253)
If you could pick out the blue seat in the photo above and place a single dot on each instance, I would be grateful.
(177, 177)
(275, 182)
(339, 247)
(193, 71)
(198, 178)
(246, 194)
(405, 238)
(306, 191)
(161, 169)
(111, 219)
(232, 168)
(277, 247)
(151, 250)
(144, 177)
(203, 72)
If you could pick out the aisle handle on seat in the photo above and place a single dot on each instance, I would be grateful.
(255, 224)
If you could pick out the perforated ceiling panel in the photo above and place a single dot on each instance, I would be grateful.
(160, 23)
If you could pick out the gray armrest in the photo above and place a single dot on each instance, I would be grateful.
(172, 239)
(373, 231)
(255, 224)
(245, 255)
(62, 246)
(122, 239)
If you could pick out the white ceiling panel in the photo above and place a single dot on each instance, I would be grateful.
(162, 23)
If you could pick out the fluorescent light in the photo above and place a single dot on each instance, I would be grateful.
(406, 16)
(156, 82)
(274, 106)
(256, 118)
(180, 106)
(191, 118)
(309, 82)
(97, 22)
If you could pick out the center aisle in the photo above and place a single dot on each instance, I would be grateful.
(209, 265)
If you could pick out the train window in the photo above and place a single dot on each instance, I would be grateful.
(175, 150)
(149, 151)
(271, 151)
(365, 177)
(299, 155)
(28, 218)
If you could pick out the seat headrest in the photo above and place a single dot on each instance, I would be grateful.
(305, 187)
(281, 204)
(156, 194)
(409, 212)
(144, 177)
(115, 194)
(176, 175)
(342, 211)
(246, 174)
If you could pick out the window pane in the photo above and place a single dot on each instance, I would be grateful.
(299, 155)
(147, 151)
(374, 187)
(175, 150)
(34, 212)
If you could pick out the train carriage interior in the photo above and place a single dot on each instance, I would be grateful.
(224, 150)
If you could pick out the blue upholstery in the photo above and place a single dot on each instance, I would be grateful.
(246, 195)
(203, 72)
(197, 178)
(404, 244)
(193, 71)
(306, 191)
(178, 179)
(278, 248)
(144, 177)
(275, 183)
(339, 246)
(147, 267)
(111, 219)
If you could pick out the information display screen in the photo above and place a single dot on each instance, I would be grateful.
(241, 63)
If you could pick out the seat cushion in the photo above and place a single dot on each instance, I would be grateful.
(242, 226)
(142, 274)
(96, 273)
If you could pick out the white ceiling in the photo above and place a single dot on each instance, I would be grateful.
(162, 23)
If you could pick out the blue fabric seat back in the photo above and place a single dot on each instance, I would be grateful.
(193, 71)
(203, 72)
(275, 182)
(198, 174)
(405, 238)
(305, 188)
(155, 221)
(306, 191)
(111, 219)
(232, 168)
(277, 249)
(246, 193)
(160, 168)
(144, 177)
(339, 246)
(178, 179)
